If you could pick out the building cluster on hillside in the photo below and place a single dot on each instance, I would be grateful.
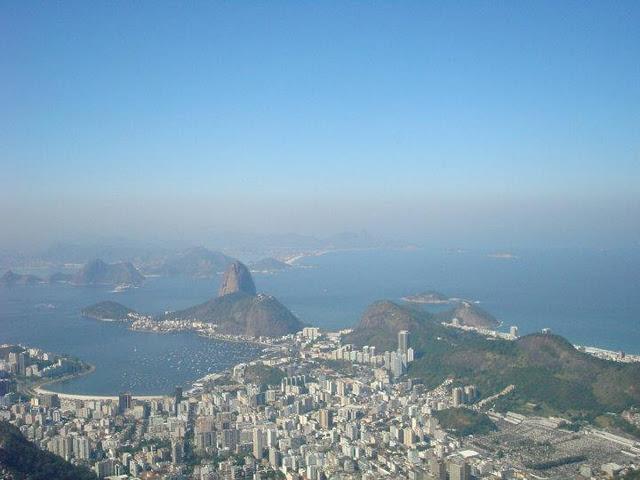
(316, 419)
(395, 362)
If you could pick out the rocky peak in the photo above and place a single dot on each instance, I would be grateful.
(237, 278)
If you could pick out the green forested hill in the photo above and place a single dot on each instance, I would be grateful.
(545, 369)
(22, 460)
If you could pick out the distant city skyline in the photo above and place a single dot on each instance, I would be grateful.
(481, 123)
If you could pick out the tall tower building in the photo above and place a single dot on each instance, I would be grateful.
(326, 419)
(457, 396)
(22, 363)
(258, 443)
(124, 402)
(459, 470)
(397, 367)
(177, 399)
(437, 468)
(403, 341)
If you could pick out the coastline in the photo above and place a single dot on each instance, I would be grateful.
(294, 259)
(197, 383)
(39, 387)
(76, 396)
(40, 390)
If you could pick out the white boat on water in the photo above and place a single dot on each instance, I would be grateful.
(122, 287)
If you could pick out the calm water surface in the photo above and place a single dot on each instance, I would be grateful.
(591, 297)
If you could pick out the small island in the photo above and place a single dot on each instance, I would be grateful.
(430, 297)
(109, 311)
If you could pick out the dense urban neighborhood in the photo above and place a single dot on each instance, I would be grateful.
(311, 407)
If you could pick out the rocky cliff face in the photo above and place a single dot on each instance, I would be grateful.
(239, 311)
(237, 278)
(195, 262)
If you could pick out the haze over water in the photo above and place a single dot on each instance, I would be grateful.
(591, 297)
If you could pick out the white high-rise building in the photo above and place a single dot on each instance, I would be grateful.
(258, 443)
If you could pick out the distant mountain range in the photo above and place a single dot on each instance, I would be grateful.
(550, 375)
(11, 278)
(97, 272)
(194, 262)
(154, 252)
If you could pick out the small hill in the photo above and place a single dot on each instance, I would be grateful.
(269, 264)
(381, 322)
(237, 278)
(98, 272)
(108, 311)
(462, 422)
(21, 459)
(472, 316)
(260, 374)
(195, 262)
(11, 278)
(242, 314)
(546, 369)
(390, 317)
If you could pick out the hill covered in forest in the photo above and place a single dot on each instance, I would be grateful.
(22, 460)
(547, 371)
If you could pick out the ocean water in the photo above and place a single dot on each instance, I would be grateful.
(144, 363)
(591, 297)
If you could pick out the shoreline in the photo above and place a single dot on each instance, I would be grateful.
(88, 397)
(295, 258)
(40, 390)
(597, 352)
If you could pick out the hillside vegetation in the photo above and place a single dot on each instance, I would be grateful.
(546, 369)
(21, 459)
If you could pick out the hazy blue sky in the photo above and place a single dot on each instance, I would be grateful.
(501, 123)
